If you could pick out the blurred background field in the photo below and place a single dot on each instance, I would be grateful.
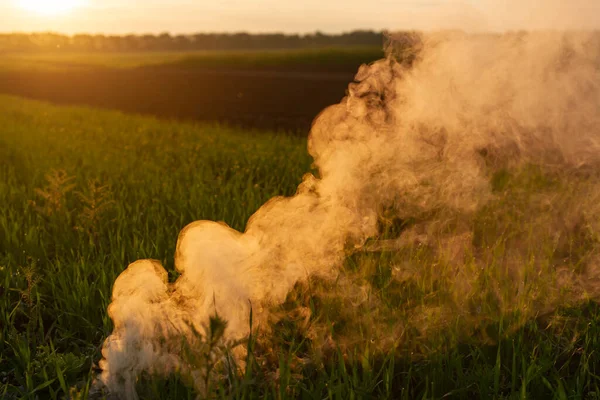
(328, 59)
(262, 86)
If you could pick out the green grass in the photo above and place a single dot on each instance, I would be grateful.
(85, 192)
(346, 58)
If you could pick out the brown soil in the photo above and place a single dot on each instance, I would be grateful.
(264, 99)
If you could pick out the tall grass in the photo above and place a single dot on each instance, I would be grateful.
(85, 192)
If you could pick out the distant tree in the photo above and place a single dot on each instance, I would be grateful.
(19, 42)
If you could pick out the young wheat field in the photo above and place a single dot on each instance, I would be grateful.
(332, 59)
(84, 193)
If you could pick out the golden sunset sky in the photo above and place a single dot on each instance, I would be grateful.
(291, 16)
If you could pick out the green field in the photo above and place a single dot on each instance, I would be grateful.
(84, 192)
(324, 58)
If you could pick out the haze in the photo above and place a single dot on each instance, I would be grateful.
(185, 16)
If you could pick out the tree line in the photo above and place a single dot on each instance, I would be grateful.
(53, 42)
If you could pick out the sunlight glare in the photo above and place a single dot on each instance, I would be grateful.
(49, 7)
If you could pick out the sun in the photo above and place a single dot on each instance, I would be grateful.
(49, 7)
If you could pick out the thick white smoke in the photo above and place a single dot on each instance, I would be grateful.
(416, 136)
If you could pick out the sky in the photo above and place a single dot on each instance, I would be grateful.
(298, 16)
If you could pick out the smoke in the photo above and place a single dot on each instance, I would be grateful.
(442, 135)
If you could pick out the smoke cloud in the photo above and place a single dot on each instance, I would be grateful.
(428, 137)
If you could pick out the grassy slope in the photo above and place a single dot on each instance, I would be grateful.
(326, 58)
(58, 260)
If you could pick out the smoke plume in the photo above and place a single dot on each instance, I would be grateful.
(437, 135)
